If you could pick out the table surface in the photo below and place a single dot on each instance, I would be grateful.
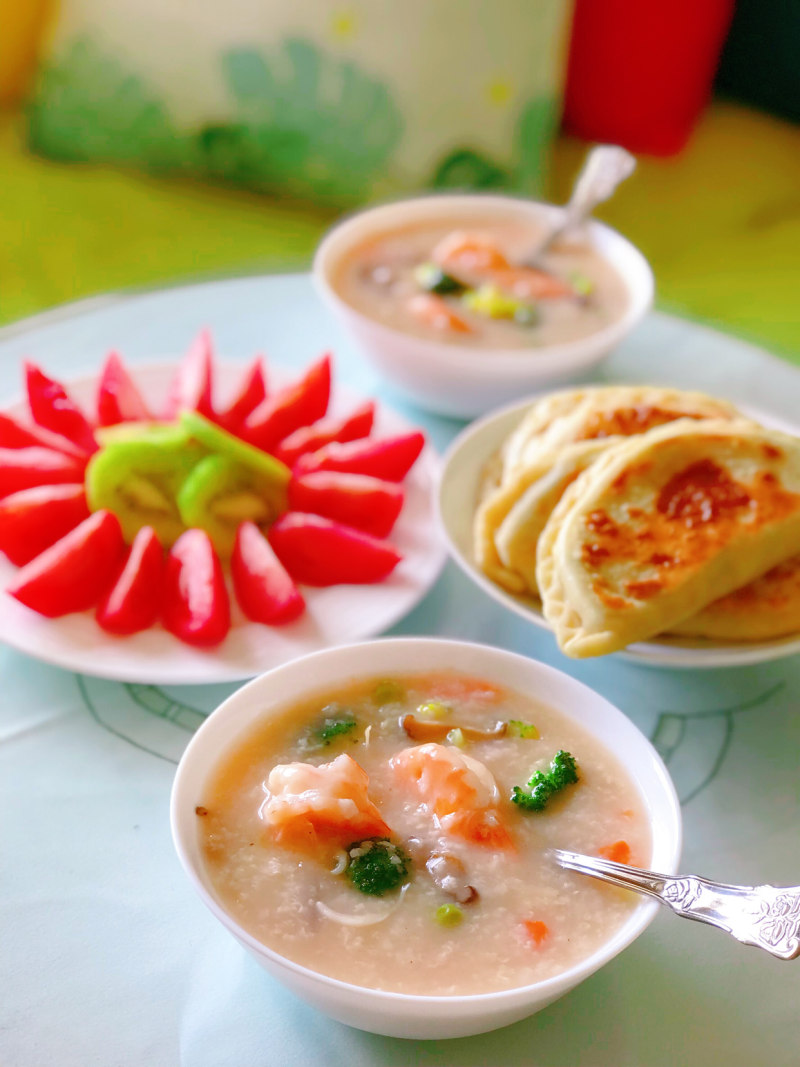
(107, 956)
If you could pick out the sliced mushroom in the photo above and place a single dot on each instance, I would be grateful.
(431, 730)
(449, 874)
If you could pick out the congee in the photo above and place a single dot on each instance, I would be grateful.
(393, 833)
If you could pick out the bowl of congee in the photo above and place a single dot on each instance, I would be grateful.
(450, 299)
(373, 823)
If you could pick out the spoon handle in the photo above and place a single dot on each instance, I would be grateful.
(605, 167)
(765, 916)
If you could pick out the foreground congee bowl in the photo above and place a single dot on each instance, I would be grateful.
(460, 379)
(396, 1014)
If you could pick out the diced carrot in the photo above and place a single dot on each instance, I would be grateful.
(536, 930)
(619, 852)
(470, 252)
(434, 312)
(530, 284)
(481, 828)
(627, 813)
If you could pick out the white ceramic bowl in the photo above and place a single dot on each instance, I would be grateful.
(399, 1014)
(456, 379)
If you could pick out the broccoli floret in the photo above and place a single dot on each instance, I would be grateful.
(542, 786)
(435, 280)
(377, 866)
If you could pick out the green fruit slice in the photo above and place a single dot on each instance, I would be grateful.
(221, 493)
(139, 479)
(137, 431)
(223, 443)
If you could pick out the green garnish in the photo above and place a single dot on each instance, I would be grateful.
(433, 709)
(542, 785)
(377, 866)
(582, 285)
(448, 915)
(526, 315)
(456, 737)
(387, 692)
(434, 280)
(518, 728)
(334, 722)
(496, 303)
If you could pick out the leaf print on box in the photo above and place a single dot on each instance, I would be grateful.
(305, 123)
(88, 107)
(467, 168)
(302, 123)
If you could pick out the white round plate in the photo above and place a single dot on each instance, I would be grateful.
(336, 615)
(462, 469)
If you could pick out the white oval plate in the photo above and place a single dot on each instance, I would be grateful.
(336, 615)
(462, 467)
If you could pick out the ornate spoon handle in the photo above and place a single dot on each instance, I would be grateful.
(765, 916)
(605, 167)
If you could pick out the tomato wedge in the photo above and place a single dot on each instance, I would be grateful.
(22, 468)
(390, 458)
(34, 519)
(73, 573)
(251, 392)
(191, 387)
(310, 438)
(133, 602)
(264, 590)
(317, 551)
(52, 408)
(15, 434)
(195, 601)
(295, 406)
(118, 399)
(357, 500)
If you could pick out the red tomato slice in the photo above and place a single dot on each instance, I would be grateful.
(133, 602)
(195, 601)
(293, 407)
(251, 392)
(34, 519)
(310, 438)
(52, 408)
(22, 468)
(118, 399)
(192, 384)
(390, 458)
(357, 500)
(15, 434)
(73, 573)
(316, 551)
(264, 590)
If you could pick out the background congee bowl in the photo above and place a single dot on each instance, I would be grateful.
(458, 379)
(399, 1014)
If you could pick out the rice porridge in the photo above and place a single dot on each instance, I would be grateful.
(374, 834)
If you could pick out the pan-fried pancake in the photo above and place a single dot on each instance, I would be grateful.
(600, 412)
(519, 510)
(764, 609)
(664, 524)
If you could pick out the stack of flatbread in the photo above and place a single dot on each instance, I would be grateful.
(633, 511)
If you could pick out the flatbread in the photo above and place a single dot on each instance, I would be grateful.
(532, 495)
(762, 610)
(600, 412)
(664, 524)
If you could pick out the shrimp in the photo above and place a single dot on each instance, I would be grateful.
(308, 807)
(434, 312)
(457, 790)
(473, 253)
(527, 283)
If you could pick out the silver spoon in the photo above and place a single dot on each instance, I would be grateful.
(765, 916)
(605, 167)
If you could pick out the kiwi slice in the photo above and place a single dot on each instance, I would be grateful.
(223, 443)
(138, 479)
(220, 493)
(136, 431)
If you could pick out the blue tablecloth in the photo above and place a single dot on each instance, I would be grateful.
(107, 957)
